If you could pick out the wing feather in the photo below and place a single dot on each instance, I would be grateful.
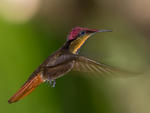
(84, 64)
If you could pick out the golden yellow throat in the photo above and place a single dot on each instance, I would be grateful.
(76, 44)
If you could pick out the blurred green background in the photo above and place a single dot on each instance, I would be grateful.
(30, 30)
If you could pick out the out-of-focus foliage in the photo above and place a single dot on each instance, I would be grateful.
(30, 30)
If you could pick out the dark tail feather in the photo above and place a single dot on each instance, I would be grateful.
(27, 88)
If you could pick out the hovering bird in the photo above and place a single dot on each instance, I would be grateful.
(62, 61)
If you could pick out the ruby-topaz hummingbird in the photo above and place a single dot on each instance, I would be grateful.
(62, 61)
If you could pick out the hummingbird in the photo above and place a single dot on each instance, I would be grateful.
(63, 61)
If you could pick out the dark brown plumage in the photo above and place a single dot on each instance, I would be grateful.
(62, 61)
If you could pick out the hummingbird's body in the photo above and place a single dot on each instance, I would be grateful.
(56, 65)
(62, 61)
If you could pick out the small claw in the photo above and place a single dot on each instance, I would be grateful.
(52, 83)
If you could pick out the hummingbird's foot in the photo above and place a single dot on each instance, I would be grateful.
(52, 83)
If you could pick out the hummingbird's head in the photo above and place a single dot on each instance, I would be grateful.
(79, 35)
(79, 31)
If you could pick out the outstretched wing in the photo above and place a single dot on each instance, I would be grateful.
(84, 64)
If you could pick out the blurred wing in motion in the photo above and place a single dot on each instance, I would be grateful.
(27, 88)
(84, 64)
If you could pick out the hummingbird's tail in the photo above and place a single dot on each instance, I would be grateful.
(27, 88)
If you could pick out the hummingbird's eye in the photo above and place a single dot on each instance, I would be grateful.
(82, 32)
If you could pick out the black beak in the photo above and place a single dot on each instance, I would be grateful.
(104, 30)
(96, 31)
